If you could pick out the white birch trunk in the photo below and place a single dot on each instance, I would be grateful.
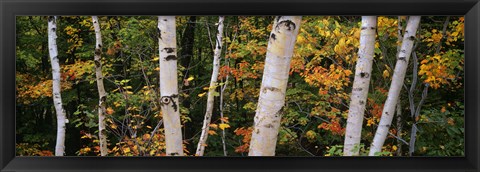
(56, 90)
(169, 85)
(102, 97)
(396, 85)
(274, 84)
(213, 84)
(360, 87)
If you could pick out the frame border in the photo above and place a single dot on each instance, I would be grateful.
(9, 9)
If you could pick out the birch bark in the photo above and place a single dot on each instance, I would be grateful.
(274, 84)
(169, 85)
(102, 96)
(213, 85)
(56, 90)
(396, 85)
(361, 85)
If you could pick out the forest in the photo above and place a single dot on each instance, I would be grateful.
(240, 86)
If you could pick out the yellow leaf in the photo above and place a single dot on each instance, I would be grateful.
(223, 126)
(394, 148)
(146, 136)
(126, 150)
(109, 111)
(190, 78)
(211, 132)
(214, 126)
(347, 72)
(202, 94)
(386, 74)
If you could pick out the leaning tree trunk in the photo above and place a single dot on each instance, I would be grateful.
(274, 84)
(396, 85)
(102, 97)
(361, 85)
(169, 85)
(57, 96)
(213, 84)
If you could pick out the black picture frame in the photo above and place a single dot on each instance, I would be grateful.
(11, 8)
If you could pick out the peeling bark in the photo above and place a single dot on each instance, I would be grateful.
(274, 84)
(213, 84)
(396, 85)
(56, 90)
(169, 85)
(361, 85)
(102, 96)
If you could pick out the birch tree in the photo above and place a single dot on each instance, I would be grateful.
(169, 85)
(213, 85)
(396, 85)
(274, 84)
(102, 96)
(361, 84)
(56, 90)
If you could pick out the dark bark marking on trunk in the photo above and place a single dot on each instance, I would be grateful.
(273, 36)
(357, 89)
(159, 33)
(411, 38)
(364, 75)
(165, 100)
(270, 88)
(402, 59)
(97, 51)
(288, 23)
(171, 57)
(103, 99)
(169, 50)
(97, 63)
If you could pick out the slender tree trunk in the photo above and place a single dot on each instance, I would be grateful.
(169, 85)
(396, 85)
(274, 84)
(57, 96)
(213, 85)
(361, 85)
(102, 96)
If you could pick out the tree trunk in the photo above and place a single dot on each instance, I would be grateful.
(361, 85)
(274, 84)
(169, 85)
(102, 97)
(213, 84)
(57, 96)
(396, 85)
